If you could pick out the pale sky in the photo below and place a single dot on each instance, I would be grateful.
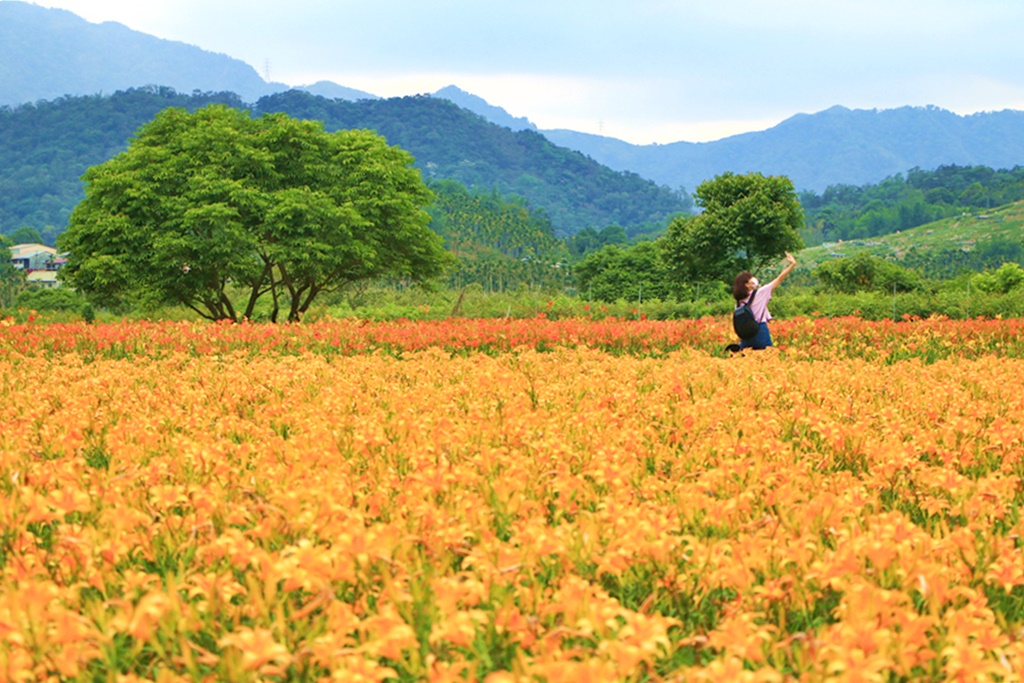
(639, 70)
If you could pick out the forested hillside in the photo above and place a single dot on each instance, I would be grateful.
(939, 250)
(901, 202)
(452, 143)
(47, 146)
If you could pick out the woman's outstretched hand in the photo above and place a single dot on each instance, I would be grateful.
(790, 265)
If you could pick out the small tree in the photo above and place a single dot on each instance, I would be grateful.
(613, 272)
(748, 222)
(1005, 279)
(864, 272)
(12, 280)
(25, 235)
(214, 209)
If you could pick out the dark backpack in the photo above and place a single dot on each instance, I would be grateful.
(743, 320)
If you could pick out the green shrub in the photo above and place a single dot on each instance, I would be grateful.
(51, 299)
(1005, 279)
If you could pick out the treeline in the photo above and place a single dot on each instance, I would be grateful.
(952, 261)
(846, 212)
(503, 245)
(47, 146)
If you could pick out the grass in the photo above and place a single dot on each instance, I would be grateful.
(967, 232)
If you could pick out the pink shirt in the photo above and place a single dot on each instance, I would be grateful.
(759, 306)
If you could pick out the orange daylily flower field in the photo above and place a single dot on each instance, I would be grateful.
(523, 500)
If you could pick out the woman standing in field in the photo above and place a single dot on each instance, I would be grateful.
(745, 290)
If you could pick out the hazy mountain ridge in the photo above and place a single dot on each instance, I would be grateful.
(833, 147)
(47, 54)
(333, 91)
(478, 105)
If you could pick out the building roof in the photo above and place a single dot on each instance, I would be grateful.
(26, 250)
(42, 276)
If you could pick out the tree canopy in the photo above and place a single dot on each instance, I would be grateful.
(215, 209)
(623, 272)
(1006, 278)
(864, 272)
(748, 221)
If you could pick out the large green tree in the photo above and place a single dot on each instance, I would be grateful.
(215, 209)
(747, 222)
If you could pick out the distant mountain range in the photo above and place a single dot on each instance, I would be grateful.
(478, 105)
(47, 53)
(838, 146)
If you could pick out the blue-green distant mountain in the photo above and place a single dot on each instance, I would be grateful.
(48, 53)
(333, 91)
(478, 105)
(838, 146)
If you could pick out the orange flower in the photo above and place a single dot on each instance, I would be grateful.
(260, 652)
(368, 500)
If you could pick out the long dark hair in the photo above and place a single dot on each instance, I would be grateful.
(739, 286)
